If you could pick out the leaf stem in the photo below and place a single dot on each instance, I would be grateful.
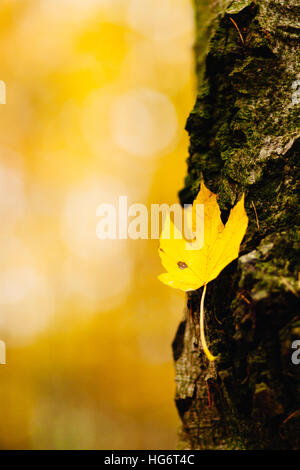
(202, 332)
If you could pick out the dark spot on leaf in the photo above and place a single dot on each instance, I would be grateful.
(162, 250)
(182, 265)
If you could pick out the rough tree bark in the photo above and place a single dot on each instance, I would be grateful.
(244, 133)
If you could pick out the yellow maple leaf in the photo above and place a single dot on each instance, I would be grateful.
(189, 268)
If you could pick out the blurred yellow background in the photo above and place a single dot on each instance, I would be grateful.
(98, 92)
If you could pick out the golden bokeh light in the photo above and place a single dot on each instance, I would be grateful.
(98, 92)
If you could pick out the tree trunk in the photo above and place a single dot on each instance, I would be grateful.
(243, 138)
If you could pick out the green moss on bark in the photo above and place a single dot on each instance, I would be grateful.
(244, 132)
